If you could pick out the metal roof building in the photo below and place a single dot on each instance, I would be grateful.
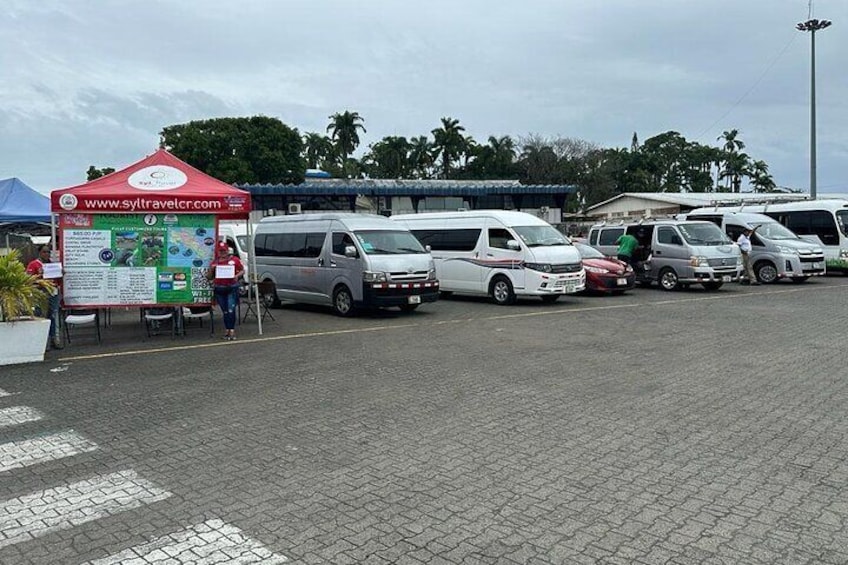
(646, 204)
(398, 196)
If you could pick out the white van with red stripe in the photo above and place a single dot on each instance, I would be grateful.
(344, 260)
(502, 254)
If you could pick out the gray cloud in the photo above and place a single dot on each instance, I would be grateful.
(94, 82)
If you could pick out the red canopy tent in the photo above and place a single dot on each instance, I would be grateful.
(160, 183)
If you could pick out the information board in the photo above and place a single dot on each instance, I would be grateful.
(137, 259)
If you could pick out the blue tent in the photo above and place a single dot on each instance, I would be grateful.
(21, 204)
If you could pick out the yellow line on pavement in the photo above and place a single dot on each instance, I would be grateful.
(444, 322)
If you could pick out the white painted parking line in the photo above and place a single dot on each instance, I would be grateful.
(18, 415)
(212, 541)
(3, 393)
(22, 453)
(40, 513)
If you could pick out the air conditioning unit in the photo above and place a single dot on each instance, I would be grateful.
(294, 208)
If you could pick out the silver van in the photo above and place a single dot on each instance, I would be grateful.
(344, 260)
(776, 251)
(675, 253)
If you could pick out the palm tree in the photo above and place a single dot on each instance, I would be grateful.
(737, 165)
(448, 143)
(731, 147)
(421, 156)
(761, 180)
(344, 131)
(318, 149)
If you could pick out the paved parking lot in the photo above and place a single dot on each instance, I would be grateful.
(686, 427)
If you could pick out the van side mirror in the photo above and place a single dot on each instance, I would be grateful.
(513, 245)
(350, 251)
(427, 248)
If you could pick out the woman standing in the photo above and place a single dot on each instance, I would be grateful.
(226, 270)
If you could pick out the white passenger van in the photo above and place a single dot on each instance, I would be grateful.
(344, 260)
(824, 218)
(776, 252)
(498, 253)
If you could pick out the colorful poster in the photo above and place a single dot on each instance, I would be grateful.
(137, 259)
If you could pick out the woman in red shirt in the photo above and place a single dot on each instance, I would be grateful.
(226, 270)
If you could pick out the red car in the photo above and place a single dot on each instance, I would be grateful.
(605, 274)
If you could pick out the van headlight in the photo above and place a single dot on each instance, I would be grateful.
(541, 267)
(374, 276)
(698, 261)
(431, 274)
(843, 253)
(786, 250)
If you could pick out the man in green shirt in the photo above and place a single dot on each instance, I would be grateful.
(627, 245)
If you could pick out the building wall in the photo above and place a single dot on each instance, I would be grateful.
(630, 207)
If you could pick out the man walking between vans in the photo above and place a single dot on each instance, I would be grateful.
(627, 245)
(744, 243)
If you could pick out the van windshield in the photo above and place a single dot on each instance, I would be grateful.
(540, 236)
(775, 231)
(842, 221)
(386, 242)
(703, 234)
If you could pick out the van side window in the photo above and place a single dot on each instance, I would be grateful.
(313, 244)
(666, 234)
(448, 240)
(733, 232)
(610, 235)
(340, 241)
(593, 237)
(498, 238)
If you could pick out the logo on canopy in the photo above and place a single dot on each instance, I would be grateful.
(67, 202)
(159, 177)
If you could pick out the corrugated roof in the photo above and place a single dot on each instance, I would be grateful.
(391, 187)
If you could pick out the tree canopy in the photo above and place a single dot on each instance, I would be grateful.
(255, 150)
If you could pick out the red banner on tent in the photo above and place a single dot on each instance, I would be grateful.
(160, 183)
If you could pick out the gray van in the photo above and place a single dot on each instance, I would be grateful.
(675, 253)
(776, 251)
(344, 260)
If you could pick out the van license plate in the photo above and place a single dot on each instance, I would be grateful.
(725, 278)
(414, 299)
(621, 282)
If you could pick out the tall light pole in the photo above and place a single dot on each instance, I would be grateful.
(813, 26)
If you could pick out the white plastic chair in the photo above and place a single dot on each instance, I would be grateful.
(154, 317)
(207, 312)
(80, 318)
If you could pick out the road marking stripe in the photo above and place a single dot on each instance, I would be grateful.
(3, 393)
(212, 541)
(555, 312)
(18, 415)
(60, 508)
(22, 453)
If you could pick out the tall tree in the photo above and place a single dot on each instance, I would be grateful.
(761, 179)
(421, 158)
(318, 150)
(255, 150)
(344, 131)
(95, 173)
(388, 158)
(448, 143)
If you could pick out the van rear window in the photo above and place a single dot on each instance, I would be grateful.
(610, 235)
(449, 240)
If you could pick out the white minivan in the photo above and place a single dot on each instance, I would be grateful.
(502, 254)
(344, 260)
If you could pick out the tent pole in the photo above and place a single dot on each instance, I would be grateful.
(53, 244)
(254, 275)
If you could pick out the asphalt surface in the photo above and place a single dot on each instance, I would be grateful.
(685, 427)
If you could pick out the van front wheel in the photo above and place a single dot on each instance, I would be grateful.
(766, 272)
(342, 301)
(669, 280)
(502, 292)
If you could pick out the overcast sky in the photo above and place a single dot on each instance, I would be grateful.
(93, 82)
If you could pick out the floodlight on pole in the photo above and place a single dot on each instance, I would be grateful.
(813, 26)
